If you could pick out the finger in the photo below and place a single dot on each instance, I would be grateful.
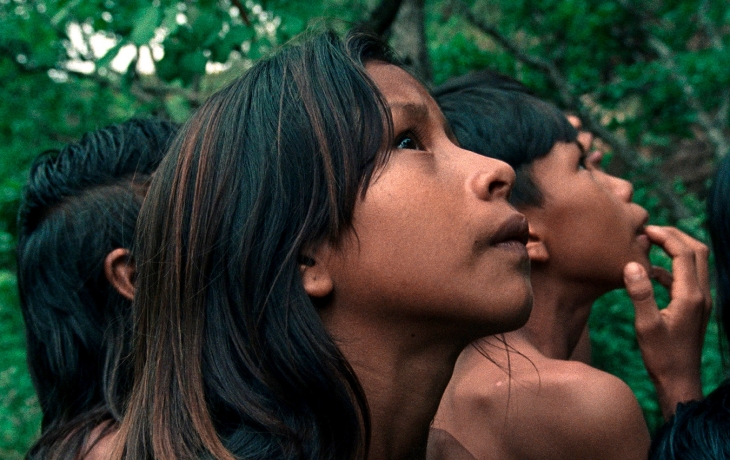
(663, 276)
(702, 254)
(641, 293)
(684, 268)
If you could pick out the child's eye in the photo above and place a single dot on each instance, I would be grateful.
(407, 141)
(582, 162)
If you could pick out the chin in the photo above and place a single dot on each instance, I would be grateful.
(521, 313)
(525, 312)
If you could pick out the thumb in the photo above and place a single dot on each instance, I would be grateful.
(641, 292)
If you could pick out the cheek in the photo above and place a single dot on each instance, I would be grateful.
(410, 219)
(402, 237)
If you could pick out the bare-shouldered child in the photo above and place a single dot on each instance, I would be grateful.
(519, 396)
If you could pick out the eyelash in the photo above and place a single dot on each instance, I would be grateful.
(401, 140)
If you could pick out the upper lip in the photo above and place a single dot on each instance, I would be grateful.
(514, 228)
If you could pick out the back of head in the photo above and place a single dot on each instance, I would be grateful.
(699, 430)
(80, 203)
(496, 116)
(718, 223)
(231, 356)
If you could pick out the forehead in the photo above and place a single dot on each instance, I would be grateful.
(398, 87)
(557, 168)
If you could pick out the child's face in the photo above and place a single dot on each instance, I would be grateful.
(591, 228)
(435, 240)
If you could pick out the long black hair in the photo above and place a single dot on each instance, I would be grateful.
(718, 224)
(496, 116)
(80, 203)
(700, 430)
(232, 359)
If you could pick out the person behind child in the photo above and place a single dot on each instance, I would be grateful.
(75, 276)
(518, 396)
(700, 430)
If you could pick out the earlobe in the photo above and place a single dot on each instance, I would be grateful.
(536, 248)
(316, 277)
(120, 271)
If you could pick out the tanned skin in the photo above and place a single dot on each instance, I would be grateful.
(394, 281)
(527, 400)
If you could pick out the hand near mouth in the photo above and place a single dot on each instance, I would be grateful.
(671, 339)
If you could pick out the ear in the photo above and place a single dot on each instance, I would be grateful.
(120, 270)
(315, 271)
(536, 248)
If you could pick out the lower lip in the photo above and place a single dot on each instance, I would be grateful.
(513, 246)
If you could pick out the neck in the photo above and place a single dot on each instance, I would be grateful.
(403, 375)
(559, 315)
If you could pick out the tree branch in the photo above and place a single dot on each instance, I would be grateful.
(548, 67)
(242, 11)
(382, 16)
(621, 147)
(712, 126)
(143, 91)
(704, 19)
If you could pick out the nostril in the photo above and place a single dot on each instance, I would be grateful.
(493, 179)
(499, 187)
(488, 186)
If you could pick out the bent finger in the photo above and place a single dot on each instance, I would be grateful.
(662, 276)
(679, 247)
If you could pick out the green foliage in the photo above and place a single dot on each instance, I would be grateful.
(19, 411)
(55, 88)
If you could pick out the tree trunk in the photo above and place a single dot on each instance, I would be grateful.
(408, 38)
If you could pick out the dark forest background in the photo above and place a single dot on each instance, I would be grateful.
(650, 78)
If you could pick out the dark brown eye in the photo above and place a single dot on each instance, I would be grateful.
(407, 141)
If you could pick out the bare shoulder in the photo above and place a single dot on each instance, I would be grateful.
(579, 412)
(596, 396)
(542, 408)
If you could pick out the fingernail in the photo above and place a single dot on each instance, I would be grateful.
(633, 271)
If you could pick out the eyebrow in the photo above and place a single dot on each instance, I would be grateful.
(419, 112)
(412, 110)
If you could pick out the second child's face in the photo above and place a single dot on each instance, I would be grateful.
(435, 242)
(590, 226)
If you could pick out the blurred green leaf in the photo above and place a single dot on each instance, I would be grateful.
(146, 22)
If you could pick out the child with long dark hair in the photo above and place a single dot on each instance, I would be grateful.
(315, 251)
